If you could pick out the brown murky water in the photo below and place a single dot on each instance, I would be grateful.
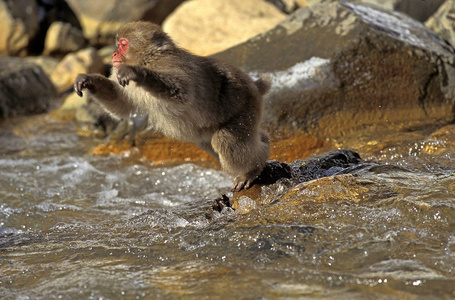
(75, 226)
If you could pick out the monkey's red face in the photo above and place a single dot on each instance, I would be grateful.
(119, 55)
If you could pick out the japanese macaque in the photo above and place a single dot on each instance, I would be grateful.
(187, 97)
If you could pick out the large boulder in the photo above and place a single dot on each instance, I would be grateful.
(101, 19)
(206, 27)
(18, 25)
(340, 66)
(24, 88)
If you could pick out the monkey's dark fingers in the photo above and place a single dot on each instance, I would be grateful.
(248, 184)
(79, 84)
(238, 186)
(78, 91)
(122, 80)
(242, 182)
(125, 74)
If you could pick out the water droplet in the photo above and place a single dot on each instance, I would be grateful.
(417, 282)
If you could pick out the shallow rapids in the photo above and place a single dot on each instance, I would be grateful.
(77, 226)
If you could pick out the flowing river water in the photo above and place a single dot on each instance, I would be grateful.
(78, 226)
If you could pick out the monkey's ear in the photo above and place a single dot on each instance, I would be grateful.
(162, 41)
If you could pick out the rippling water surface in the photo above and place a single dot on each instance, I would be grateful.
(76, 226)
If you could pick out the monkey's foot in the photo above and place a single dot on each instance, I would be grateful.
(242, 182)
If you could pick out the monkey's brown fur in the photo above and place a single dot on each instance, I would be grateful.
(186, 97)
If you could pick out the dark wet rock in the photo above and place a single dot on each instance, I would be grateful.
(304, 202)
(24, 88)
(274, 171)
(339, 66)
(331, 163)
(339, 176)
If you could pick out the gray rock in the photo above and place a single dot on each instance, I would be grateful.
(24, 88)
(340, 66)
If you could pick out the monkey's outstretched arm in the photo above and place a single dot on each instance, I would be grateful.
(107, 92)
(155, 82)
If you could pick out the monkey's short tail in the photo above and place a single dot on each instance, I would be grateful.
(264, 83)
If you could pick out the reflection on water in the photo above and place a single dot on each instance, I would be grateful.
(75, 226)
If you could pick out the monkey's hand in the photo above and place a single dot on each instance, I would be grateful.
(83, 81)
(126, 73)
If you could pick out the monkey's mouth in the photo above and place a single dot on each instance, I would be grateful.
(116, 63)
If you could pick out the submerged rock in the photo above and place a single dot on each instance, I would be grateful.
(337, 67)
(24, 88)
(339, 176)
(278, 176)
(305, 201)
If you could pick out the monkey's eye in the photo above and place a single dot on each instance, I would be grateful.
(123, 42)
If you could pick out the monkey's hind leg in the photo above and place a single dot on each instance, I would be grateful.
(242, 156)
(206, 146)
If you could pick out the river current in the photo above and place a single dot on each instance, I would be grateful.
(78, 226)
